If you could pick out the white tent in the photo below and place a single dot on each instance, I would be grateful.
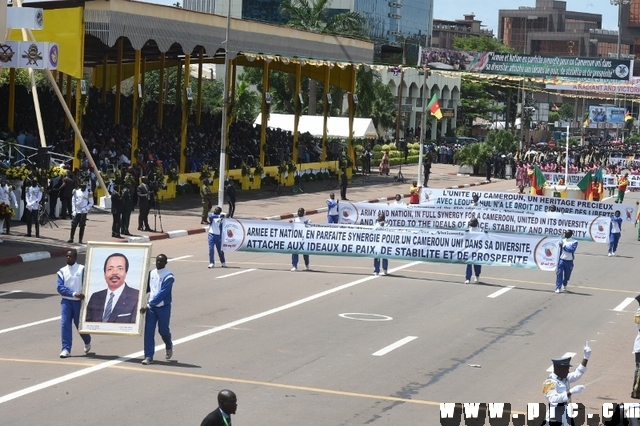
(337, 127)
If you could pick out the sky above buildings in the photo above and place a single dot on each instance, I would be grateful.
(487, 12)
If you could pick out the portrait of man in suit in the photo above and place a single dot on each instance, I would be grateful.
(118, 303)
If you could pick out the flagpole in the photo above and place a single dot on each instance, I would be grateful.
(423, 126)
(566, 160)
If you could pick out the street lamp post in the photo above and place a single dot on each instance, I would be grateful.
(619, 4)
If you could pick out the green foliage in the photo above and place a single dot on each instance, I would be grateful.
(566, 111)
(502, 142)
(247, 104)
(554, 116)
(473, 155)
(481, 44)
(314, 16)
(477, 100)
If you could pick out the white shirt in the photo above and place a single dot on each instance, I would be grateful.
(33, 197)
(72, 278)
(636, 343)
(332, 211)
(156, 277)
(116, 296)
(301, 220)
(568, 243)
(399, 203)
(82, 201)
(7, 196)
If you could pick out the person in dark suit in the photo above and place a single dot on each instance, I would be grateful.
(117, 208)
(221, 416)
(144, 201)
(118, 302)
(54, 193)
(66, 194)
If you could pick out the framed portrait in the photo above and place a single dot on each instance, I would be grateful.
(115, 285)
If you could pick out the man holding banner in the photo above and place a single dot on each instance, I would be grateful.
(474, 227)
(380, 224)
(568, 248)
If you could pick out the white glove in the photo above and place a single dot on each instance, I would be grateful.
(587, 351)
(576, 389)
(16, 205)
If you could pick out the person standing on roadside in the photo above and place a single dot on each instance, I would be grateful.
(221, 416)
(205, 195)
(32, 205)
(344, 182)
(69, 285)
(117, 207)
(127, 208)
(144, 202)
(230, 190)
(66, 194)
(82, 203)
(158, 310)
(333, 215)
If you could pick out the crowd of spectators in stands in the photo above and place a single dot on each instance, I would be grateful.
(110, 143)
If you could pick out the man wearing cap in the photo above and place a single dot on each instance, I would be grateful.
(557, 390)
(568, 248)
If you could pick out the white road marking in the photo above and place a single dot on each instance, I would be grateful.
(180, 258)
(566, 355)
(624, 304)
(85, 371)
(10, 292)
(500, 292)
(395, 345)
(31, 324)
(359, 316)
(235, 273)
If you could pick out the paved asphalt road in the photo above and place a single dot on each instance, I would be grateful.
(296, 352)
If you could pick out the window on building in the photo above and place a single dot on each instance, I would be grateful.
(634, 14)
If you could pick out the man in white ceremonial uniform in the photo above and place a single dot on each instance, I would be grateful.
(557, 390)
(9, 198)
(380, 225)
(295, 256)
(82, 201)
(32, 204)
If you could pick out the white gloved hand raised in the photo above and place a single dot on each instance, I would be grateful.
(587, 350)
(576, 389)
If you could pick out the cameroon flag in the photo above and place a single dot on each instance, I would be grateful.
(434, 106)
(537, 181)
(585, 186)
(628, 117)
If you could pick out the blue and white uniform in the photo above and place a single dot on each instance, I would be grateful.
(568, 248)
(69, 284)
(333, 214)
(214, 235)
(160, 288)
(615, 231)
(380, 226)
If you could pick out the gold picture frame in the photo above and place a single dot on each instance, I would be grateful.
(121, 269)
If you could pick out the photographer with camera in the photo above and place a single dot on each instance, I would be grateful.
(144, 203)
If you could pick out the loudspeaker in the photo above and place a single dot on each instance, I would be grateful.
(44, 158)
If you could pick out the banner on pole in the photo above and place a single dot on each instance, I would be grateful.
(479, 248)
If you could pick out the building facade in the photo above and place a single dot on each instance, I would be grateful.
(549, 29)
(444, 32)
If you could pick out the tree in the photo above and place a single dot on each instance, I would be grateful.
(481, 44)
(474, 155)
(247, 103)
(502, 142)
(566, 112)
(315, 17)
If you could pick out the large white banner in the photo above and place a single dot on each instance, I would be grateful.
(608, 181)
(526, 202)
(480, 248)
(589, 228)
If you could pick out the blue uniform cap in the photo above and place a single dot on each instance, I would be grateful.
(562, 362)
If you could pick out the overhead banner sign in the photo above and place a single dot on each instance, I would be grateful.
(546, 67)
(479, 248)
(526, 202)
(26, 54)
(613, 89)
(588, 228)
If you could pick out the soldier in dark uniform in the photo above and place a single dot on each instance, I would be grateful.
(127, 208)
(116, 211)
